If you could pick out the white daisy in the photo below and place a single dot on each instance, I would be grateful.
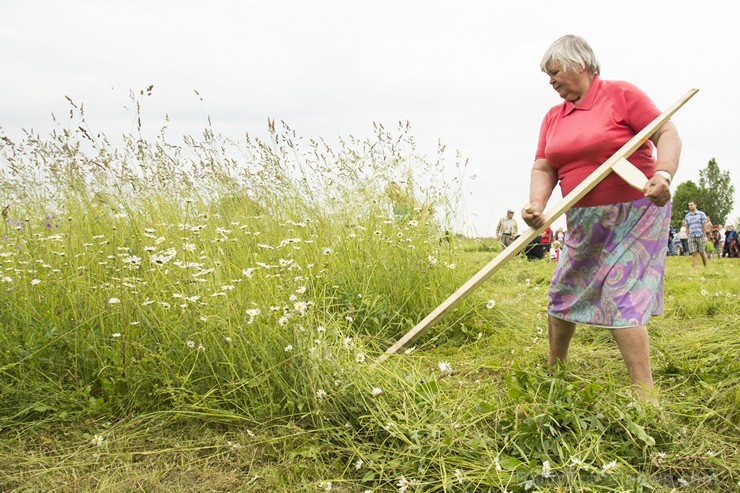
(610, 467)
(403, 484)
(546, 471)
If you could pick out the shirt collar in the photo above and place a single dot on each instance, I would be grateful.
(588, 99)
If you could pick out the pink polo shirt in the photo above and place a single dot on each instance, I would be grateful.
(577, 140)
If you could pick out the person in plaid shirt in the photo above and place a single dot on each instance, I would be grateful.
(696, 220)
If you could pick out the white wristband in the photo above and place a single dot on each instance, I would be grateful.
(665, 175)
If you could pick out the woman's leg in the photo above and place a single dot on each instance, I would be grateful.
(559, 333)
(634, 344)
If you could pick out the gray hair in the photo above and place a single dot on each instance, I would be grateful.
(571, 51)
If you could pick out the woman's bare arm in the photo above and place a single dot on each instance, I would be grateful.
(542, 183)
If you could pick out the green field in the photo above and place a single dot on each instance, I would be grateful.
(177, 320)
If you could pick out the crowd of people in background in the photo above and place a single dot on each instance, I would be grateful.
(707, 240)
(546, 245)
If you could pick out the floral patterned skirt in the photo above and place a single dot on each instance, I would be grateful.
(610, 271)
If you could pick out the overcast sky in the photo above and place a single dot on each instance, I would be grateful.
(465, 72)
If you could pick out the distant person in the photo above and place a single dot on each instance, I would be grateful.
(546, 240)
(555, 254)
(507, 229)
(709, 243)
(560, 236)
(683, 236)
(677, 245)
(611, 271)
(671, 234)
(535, 250)
(403, 203)
(697, 243)
(716, 238)
(730, 248)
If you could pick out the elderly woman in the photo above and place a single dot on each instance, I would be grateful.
(610, 273)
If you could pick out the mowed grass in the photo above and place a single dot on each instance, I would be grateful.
(164, 335)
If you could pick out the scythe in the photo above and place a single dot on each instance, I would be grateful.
(617, 162)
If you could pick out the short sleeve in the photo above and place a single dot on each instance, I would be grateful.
(542, 141)
(639, 108)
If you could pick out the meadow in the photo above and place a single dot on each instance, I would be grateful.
(204, 316)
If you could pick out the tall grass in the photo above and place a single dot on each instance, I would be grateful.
(122, 262)
(219, 303)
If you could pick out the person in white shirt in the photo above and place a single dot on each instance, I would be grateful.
(507, 229)
(683, 236)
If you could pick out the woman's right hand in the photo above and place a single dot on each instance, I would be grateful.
(533, 215)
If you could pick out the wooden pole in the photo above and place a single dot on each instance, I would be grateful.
(627, 171)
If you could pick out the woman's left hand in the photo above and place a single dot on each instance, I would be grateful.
(666, 140)
(658, 190)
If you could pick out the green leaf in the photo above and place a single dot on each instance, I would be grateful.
(308, 451)
(640, 433)
(509, 463)
(40, 407)
(486, 407)
(369, 476)
(429, 388)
